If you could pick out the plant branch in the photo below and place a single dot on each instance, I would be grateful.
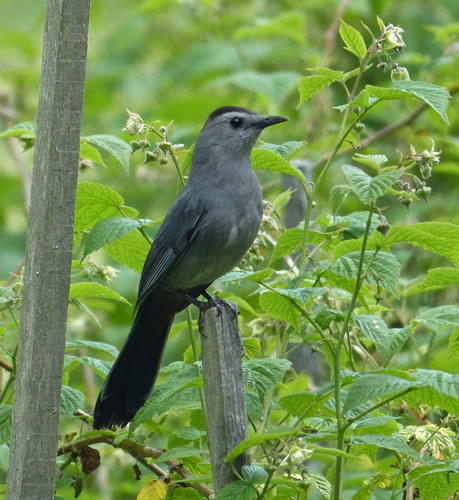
(140, 453)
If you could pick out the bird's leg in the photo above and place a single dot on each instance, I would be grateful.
(211, 302)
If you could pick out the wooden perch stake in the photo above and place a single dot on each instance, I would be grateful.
(223, 389)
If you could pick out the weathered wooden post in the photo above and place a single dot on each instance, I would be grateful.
(32, 468)
(223, 388)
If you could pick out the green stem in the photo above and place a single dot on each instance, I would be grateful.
(194, 347)
(337, 358)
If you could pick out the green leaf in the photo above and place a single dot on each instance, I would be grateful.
(438, 318)
(372, 161)
(394, 443)
(108, 230)
(297, 403)
(371, 386)
(369, 188)
(102, 368)
(260, 375)
(362, 100)
(302, 295)
(397, 337)
(384, 270)
(254, 474)
(237, 490)
(281, 200)
(309, 86)
(258, 439)
(188, 433)
(376, 330)
(432, 484)
(131, 250)
(289, 24)
(453, 343)
(94, 291)
(115, 146)
(354, 225)
(439, 278)
(246, 275)
(95, 202)
(91, 344)
(27, 129)
(337, 76)
(163, 393)
(268, 160)
(435, 96)
(280, 308)
(88, 152)
(71, 400)
(276, 85)
(338, 194)
(439, 237)
(442, 390)
(287, 150)
(5, 423)
(353, 40)
(179, 452)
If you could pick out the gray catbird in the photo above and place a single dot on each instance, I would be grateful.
(206, 232)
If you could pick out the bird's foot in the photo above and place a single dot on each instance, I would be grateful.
(211, 302)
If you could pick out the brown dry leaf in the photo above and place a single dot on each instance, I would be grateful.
(90, 459)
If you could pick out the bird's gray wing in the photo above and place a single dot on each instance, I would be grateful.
(178, 230)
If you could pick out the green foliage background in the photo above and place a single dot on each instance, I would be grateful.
(179, 60)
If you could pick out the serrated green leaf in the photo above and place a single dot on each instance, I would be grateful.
(246, 275)
(442, 390)
(397, 337)
(237, 490)
(28, 129)
(108, 230)
(162, 394)
(71, 400)
(188, 433)
(5, 423)
(354, 225)
(439, 237)
(287, 150)
(101, 367)
(438, 318)
(252, 347)
(338, 194)
(440, 278)
(453, 343)
(131, 250)
(369, 188)
(376, 330)
(94, 291)
(302, 295)
(115, 146)
(322, 485)
(95, 202)
(384, 269)
(353, 40)
(394, 443)
(361, 100)
(309, 86)
(88, 152)
(297, 403)
(330, 73)
(260, 375)
(280, 308)
(262, 158)
(254, 474)
(432, 484)
(371, 386)
(90, 344)
(372, 161)
(281, 200)
(435, 96)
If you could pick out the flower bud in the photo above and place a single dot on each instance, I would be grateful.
(400, 73)
(150, 156)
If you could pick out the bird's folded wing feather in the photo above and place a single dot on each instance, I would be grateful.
(177, 231)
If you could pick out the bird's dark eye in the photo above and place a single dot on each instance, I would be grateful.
(236, 122)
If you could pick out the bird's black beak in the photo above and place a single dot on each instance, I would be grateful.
(272, 120)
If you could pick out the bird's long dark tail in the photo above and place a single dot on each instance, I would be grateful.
(134, 372)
